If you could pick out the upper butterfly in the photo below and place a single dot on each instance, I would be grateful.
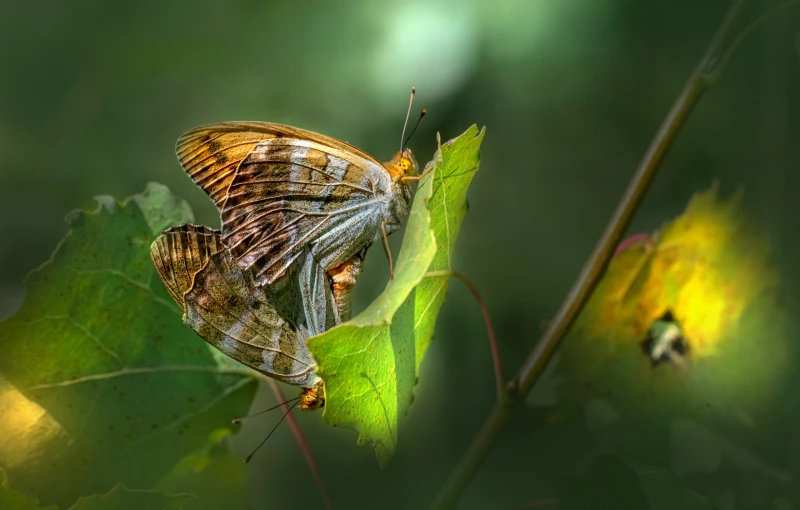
(282, 190)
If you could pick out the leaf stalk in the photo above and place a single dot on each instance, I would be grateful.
(500, 380)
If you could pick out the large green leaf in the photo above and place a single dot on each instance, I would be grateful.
(100, 382)
(370, 363)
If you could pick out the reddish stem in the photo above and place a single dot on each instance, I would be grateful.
(631, 240)
(301, 441)
(500, 379)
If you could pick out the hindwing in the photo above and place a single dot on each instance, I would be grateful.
(182, 252)
(223, 306)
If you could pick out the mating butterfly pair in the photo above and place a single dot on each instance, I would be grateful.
(298, 212)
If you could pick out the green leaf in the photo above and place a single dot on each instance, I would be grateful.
(100, 381)
(370, 363)
(11, 499)
(456, 167)
(212, 474)
(120, 498)
(609, 482)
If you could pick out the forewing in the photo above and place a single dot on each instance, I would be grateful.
(281, 189)
(180, 253)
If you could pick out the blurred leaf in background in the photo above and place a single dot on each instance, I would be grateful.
(610, 483)
(211, 473)
(120, 498)
(100, 382)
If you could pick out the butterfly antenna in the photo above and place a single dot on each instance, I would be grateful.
(403, 134)
(270, 433)
(239, 420)
(422, 114)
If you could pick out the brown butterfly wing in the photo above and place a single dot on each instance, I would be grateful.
(225, 308)
(182, 252)
(281, 189)
(211, 154)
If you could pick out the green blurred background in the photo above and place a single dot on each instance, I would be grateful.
(94, 95)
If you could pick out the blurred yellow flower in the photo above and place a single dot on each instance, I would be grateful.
(710, 270)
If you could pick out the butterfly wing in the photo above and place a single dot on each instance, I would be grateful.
(281, 190)
(182, 252)
(225, 308)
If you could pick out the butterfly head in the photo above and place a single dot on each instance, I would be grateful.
(312, 397)
(402, 165)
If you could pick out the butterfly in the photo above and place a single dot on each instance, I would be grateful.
(222, 305)
(298, 212)
(291, 197)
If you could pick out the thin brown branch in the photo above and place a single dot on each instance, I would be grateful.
(595, 265)
(301, 441)
(500, 380)
(725, 58)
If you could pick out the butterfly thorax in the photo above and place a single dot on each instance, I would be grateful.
(400, 167)
(312, 397)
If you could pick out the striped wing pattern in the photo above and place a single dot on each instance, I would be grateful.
(182, 252)
(224, 306)
(281, 190)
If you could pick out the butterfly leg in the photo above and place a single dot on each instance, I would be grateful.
(343, 278)
(386, 247)
(418, 177)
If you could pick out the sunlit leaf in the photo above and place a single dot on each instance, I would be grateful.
(370, 363)
(101, 383)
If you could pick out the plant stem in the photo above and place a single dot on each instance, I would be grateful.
(500, 380)
(712, 76)
(301, 440)
(594, 267)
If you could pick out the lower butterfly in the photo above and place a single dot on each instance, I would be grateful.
(222, 304)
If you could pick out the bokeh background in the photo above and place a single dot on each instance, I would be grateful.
(94, 94)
